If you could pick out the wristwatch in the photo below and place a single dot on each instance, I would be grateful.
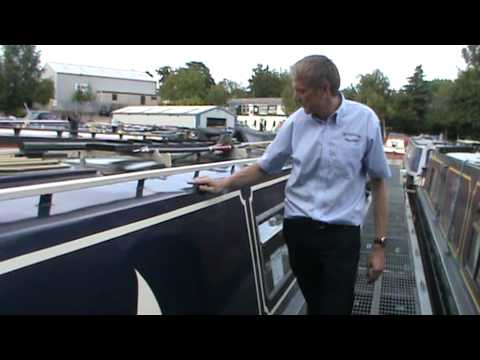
(382, 241)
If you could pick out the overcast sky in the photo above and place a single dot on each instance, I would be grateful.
(235, 62)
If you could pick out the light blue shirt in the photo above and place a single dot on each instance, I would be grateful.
(331, 160)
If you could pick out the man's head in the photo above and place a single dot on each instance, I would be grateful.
(316, 82)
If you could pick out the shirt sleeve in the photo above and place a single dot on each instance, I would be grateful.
(375, 161)
(279, 150)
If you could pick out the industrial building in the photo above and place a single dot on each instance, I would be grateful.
(186, 116)
(111, 88)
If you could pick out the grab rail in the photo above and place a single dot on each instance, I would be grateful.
(141, 176)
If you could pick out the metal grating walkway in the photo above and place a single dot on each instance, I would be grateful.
(401, 288)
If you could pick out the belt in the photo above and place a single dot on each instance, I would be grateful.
(318, 225)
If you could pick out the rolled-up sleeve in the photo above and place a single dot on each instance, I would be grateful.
(375, 161)
(278, 152)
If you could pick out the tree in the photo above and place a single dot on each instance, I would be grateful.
(439, 117)
(204, 70)
(350, 93)
(374, 90)
(289, 101)
(464, 104)
(471, 55)
(21, 75)
(413, 100)
(267, 83)
(186, 83)
(217, 95)
(2, 87)
(164, 72)
(234, 89)
(45, 91)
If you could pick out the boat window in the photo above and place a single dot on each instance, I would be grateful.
(414, 158)
(277, 273)
(438, 193)
(455, 230)
(474, 250)
(430, 179)
(451, 197)
(477, 278)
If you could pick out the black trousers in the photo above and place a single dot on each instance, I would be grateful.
(324, 258)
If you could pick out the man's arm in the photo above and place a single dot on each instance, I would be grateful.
(376, 261)
(244, 177)
(380, 206)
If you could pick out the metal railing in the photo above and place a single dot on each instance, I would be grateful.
(46, 190)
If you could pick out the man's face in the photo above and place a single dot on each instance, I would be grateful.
(312, 100)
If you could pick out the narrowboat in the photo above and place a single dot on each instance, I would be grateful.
(108, 224)
(447, 204)
(418, 155)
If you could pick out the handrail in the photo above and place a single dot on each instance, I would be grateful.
(68, 185)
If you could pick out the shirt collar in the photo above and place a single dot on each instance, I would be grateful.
(336, 117)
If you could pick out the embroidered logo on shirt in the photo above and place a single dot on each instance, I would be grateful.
(351, 137)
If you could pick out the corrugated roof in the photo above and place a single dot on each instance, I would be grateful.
(100, 71)
(170, 110)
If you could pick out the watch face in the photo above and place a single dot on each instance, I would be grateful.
(380, 240)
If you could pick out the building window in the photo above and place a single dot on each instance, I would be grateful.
(114, 97)
(263, 109)
(272, 109)
(244, 109)
(153, 97)
(142, 100)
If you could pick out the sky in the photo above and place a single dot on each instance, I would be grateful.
(235, 62)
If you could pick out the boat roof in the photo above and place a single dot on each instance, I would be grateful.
(470, 158)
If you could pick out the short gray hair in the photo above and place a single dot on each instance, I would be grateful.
(314, 70)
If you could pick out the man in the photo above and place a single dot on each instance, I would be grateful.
(334, 144)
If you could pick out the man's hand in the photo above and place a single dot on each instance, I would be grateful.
(204, 183)
(376, 263)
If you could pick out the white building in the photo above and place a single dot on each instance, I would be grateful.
(253, 111)
(187, 116)
(112, 88)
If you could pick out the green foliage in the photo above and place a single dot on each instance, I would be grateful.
(471, 55)
(234, 89)
(438, 116)
(45, 91)
(408, 107)
(20, 76)
(190, 82)
(2, 87)
(350, 93)
(450, 107)
(464, 103)
(267, 83)
(374, 91)
(289, 102)
(217, 95)
(83, 95)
